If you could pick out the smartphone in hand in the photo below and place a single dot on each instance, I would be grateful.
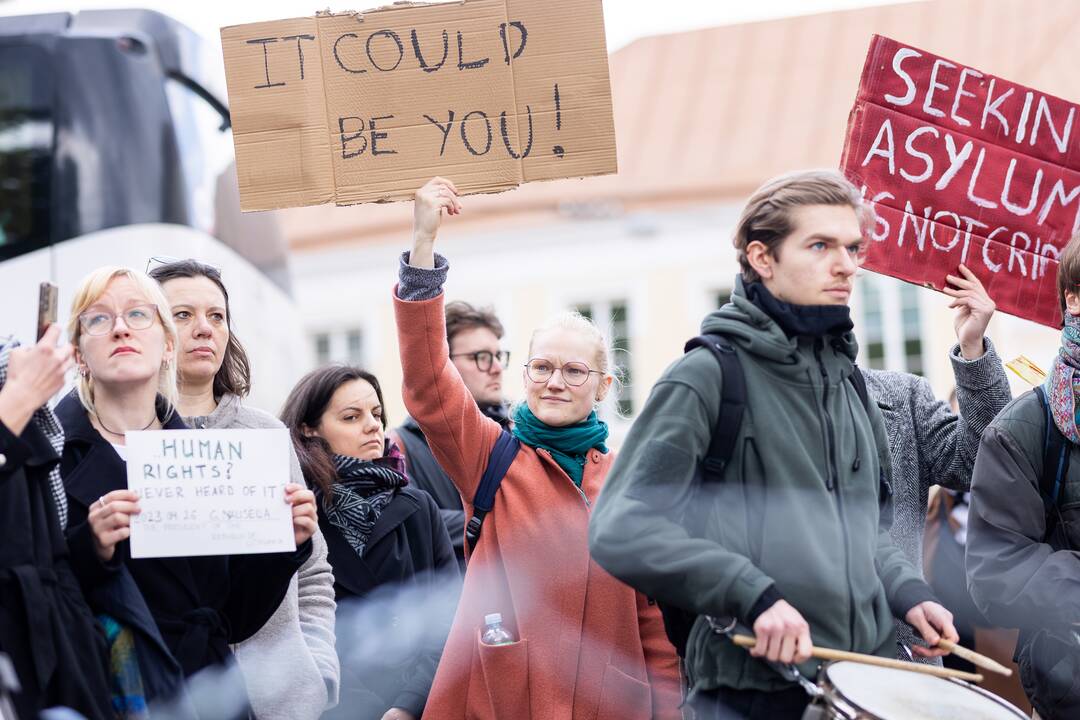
(48, 295)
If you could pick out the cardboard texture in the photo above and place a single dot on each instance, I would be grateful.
(965, 167)
(367, 107)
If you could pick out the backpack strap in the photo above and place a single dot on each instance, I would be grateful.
(858, 380)
(1055, 463)
(732, 404)
(502, 455)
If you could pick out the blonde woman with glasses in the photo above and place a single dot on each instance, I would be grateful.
(585, 645)
(166, 618)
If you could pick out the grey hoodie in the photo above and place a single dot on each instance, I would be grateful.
(290, 666)
(802, 511)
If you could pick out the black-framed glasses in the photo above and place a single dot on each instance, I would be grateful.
(100, 322)
(484, 358)
(573, 373)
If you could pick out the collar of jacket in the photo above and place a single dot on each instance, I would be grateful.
(223, 416)
(90, 480)
(757, 332)
(350, 570)
(805, 320)
(75, 419)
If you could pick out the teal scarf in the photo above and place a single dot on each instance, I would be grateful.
(568, 445)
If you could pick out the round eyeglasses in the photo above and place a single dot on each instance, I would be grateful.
(573, 373)
(484, 358)
(99, 322)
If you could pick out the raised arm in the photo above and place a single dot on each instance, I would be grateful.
(460, 436)
(951, 440)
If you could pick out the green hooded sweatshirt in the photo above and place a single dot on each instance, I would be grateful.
(804, 503)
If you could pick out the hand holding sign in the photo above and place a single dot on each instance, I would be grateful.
(110, 520)
(304, 517)
(974, 310)
(436, 195)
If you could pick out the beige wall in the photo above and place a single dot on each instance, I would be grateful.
(667, 266)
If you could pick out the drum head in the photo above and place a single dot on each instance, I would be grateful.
(901, 695)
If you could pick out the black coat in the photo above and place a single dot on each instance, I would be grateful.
(199, 604)
(407, 573)
(57, 646)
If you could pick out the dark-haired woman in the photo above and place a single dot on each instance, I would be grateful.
(383, 535)
(290, 665)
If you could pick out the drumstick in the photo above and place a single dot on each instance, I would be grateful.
(974, 658)
(821, 653)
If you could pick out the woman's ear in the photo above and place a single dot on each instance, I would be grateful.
(307, 432)
(1072, 302)
(604, 387)
(760, 259)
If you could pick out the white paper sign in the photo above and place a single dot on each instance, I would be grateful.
(209, 492)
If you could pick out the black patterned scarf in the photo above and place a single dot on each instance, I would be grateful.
(363, 490)
(46, 421)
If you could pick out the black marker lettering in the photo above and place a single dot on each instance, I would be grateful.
(465, 136)
(266, 62)
(376, 136)
(472, 64)
(397, 40)
(506, 135)
(420, 56)
(300, 48)
(445, 130)
(337, 56)
(346, 139)
(523, 35)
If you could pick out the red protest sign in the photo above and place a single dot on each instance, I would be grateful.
(965, 167)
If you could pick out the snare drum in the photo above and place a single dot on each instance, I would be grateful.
(854, 691)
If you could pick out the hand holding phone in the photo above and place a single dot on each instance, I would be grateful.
(47, 301)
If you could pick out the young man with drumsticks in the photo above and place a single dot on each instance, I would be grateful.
(794, 541)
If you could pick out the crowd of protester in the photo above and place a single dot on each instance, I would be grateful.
(494, 560)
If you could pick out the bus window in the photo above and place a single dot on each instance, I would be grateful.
(26, 149)
(205, 146)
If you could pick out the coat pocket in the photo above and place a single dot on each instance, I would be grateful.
(624, 698)
(506, 677)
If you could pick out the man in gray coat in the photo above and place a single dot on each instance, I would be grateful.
(929, 443)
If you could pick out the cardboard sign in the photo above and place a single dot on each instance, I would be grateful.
(209, 492)
(366, 107)
(965, 167)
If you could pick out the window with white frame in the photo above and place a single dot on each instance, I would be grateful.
(891, 335)
(344, 346)
(613, 317)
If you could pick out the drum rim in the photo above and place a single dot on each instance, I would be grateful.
(830, 689)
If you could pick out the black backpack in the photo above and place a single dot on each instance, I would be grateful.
(677, 621)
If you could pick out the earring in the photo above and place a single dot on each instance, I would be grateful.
(84, 371)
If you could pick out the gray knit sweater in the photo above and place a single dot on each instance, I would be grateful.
(931, 445)
(290, 666)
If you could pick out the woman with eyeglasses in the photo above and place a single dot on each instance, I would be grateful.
(395, 572)
(166, 618)
(586, 645)
(290, 666)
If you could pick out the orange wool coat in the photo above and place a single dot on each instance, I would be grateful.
(589, 647)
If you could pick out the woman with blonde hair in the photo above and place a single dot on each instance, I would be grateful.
(584, 644)
(171, 616)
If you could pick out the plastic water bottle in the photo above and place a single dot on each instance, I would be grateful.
(494, 632)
